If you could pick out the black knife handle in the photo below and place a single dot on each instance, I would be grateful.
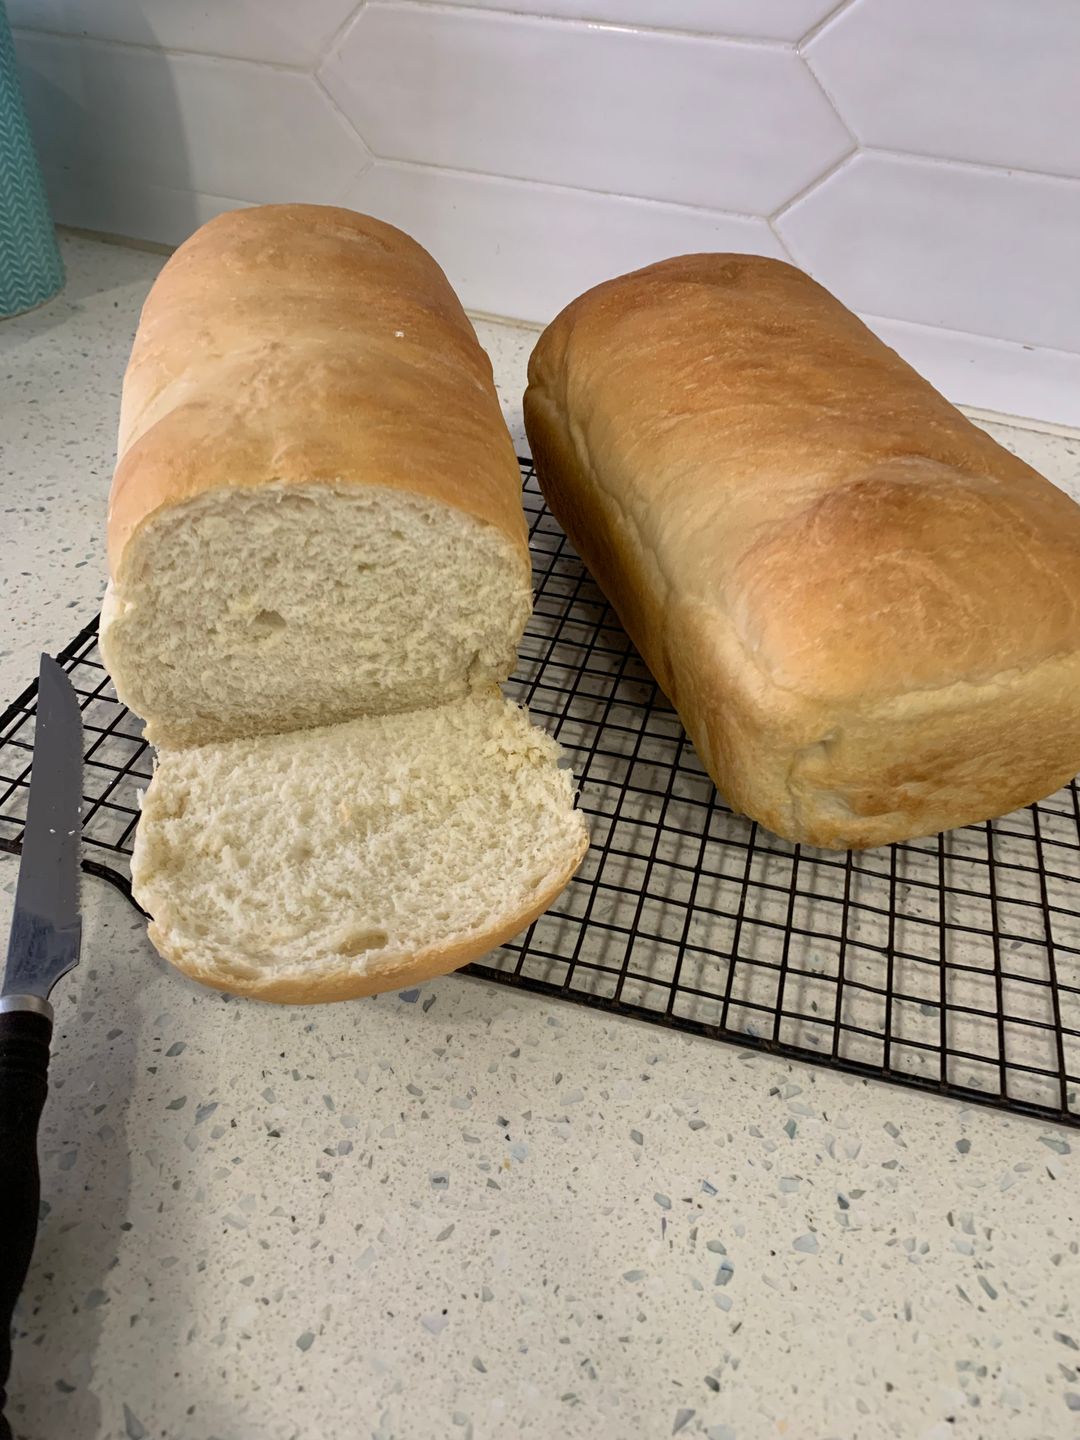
(24, 1083)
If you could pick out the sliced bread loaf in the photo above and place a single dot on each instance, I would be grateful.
(319, 572)
(316, 511)
(359, 857)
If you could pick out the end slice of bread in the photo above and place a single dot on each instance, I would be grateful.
(278, 607)
(358, 857)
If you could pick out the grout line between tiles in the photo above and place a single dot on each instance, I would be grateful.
(425, 167)
(948, 162)
(574, 22)
(580, 22)
(820, 179)
(370, 156)
(781, 242)
(950, 331)
(161, 51)
(823, 24)
(1051, 350)
(830, 99)
(333, 44)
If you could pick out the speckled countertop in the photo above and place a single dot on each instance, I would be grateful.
(464, 1212)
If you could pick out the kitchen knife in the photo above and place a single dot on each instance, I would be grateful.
(44, 945)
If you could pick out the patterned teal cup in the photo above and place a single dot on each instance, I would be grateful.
(31, 270)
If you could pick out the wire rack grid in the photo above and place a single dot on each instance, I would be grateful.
(950, 964)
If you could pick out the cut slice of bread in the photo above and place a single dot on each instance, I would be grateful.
(355, 858)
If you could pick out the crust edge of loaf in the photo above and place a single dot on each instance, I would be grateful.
(308, 985)
(154, 467)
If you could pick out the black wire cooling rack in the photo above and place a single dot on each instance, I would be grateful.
(950, 964)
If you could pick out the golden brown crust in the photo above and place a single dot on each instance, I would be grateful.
(313, 987)
(866, 612)
(301, 343)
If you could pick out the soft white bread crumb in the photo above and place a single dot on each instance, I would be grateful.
(284, 606)
(357, 857)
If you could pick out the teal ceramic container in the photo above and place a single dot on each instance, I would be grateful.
(31, 270)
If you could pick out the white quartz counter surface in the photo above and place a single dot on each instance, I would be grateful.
(463, 1211)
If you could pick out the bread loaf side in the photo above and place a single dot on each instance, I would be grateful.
(866, 612)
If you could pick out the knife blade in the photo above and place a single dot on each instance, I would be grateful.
(45, 931)
(43, 946)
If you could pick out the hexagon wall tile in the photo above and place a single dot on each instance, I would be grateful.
(185, 122)
(954, 245)
(678, 118)
(993, 81)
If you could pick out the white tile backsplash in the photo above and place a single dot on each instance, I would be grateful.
(683, 118)
(986, 374)
(480, 227)
(992, 81)
(920, 157)
(106, 202)
(185, 122)
(963, 247)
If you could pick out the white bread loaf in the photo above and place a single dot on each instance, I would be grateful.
(316, 510)
(315, 530)
(865, 611)
(330, 863)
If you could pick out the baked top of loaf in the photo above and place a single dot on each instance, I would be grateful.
(884, 542)
(844, 586)
(308, 343)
